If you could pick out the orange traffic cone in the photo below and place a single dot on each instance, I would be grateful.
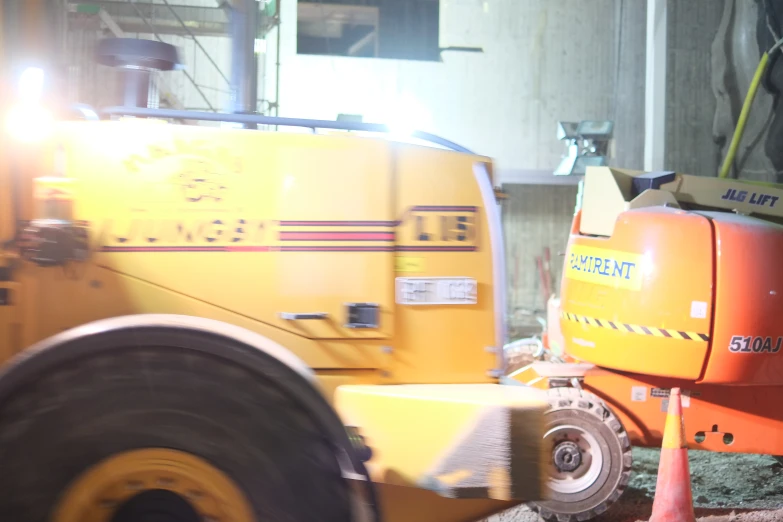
(673, 497)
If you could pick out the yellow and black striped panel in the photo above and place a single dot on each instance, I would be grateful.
(635, 328)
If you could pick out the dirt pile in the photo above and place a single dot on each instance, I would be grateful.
(726, 488)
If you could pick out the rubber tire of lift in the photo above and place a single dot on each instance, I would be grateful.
(585, 410)
(69, 418)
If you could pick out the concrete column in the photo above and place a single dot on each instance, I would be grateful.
(655, 88)
(244, 27)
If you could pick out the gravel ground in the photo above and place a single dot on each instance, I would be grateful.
(726, 488)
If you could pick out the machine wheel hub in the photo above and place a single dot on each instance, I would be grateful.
(567, 456)
(576, 459)
(153, 485)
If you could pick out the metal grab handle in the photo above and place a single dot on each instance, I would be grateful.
(312, 316)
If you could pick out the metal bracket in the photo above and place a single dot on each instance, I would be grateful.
(363, 451)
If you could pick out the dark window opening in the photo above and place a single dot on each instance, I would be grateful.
(400, 29)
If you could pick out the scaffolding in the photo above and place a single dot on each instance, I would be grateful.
(165, 18)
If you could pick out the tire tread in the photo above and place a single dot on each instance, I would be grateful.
(574, 398)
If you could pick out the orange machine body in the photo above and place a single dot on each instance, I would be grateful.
(680, 294)
(616, 289)
(732, 419)
(677, 298)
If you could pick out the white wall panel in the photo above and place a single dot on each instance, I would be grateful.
(543, 61)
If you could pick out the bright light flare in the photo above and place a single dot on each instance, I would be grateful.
(406, 116)
(31, 84)
(648, 265)
(29, 122)
(402, 128)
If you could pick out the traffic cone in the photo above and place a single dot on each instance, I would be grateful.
(673, 497)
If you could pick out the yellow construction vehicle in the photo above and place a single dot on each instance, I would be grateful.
(212, 324)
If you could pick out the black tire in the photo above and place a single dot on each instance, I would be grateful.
(586, 411)
(155, 390)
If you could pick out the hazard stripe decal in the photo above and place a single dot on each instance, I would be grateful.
(635, 328)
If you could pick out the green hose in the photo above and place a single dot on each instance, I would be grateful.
(743, 118)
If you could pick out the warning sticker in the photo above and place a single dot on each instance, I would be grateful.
(663, 393)
(408, 264)
(698, 309)
(638, 393)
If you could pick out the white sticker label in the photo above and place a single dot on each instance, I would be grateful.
(639, 393)
(436, 290)
(685, 399)
(583, 342)
(698, 309)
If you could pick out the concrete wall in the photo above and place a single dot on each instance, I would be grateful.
(534, 217)
(690, 101)
(543, 61)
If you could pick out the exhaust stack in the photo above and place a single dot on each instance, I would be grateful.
(137, 59)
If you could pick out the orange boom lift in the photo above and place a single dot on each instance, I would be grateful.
(670, 281)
